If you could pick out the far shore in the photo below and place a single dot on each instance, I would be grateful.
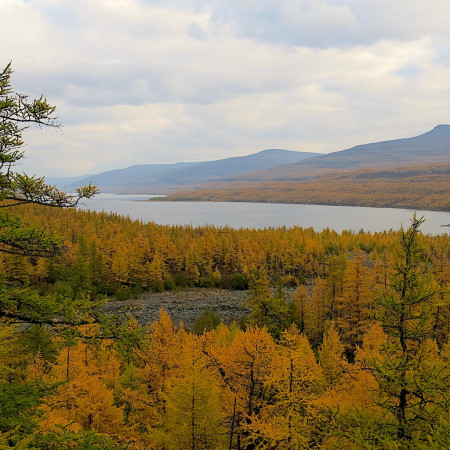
(181, 198)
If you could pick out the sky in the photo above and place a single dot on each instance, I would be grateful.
(163, 81)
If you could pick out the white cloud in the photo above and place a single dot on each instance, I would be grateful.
(330, 23)
(162, 81)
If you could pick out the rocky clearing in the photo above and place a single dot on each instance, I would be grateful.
(183, 306)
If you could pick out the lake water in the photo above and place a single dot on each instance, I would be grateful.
(265, 215)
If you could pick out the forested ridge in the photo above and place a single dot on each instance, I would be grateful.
(357, 359)
(417, 187)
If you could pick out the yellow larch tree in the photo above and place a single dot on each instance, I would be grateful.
(382, 270)
(331, 357)
(243, 367)
(295, 380)
(156, 273)
(120, 266)
(144, 384)
(299, 299)
(316, 311)
(194, 417)
(441, 307)
(85, 399)
(336, 267)
(354, 309)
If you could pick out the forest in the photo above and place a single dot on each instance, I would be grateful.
(423, 187)
(358, 359)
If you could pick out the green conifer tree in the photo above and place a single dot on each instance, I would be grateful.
(413, 382)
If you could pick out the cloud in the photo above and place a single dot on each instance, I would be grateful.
(163, 81)
(333, 23)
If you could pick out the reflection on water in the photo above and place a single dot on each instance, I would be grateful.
(265, 215)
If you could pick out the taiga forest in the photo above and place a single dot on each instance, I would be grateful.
(356, 358)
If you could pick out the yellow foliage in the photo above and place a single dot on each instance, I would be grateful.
(85, 399)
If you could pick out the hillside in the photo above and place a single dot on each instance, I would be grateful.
(161, 178)
(399, 173)
(417, 187)
(431, 147)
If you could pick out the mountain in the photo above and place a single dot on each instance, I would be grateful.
(418, 187)
(130, 178)
(271, 165)
(433, 146)
(160, 178)
(64, 181)
(402, 173)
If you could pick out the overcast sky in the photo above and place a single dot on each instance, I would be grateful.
(158, 81)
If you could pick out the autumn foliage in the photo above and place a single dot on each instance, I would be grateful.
(423, 187)
(356, 358)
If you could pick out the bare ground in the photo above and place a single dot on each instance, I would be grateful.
(183, 306)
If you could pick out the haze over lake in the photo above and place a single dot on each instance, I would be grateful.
(264, 215)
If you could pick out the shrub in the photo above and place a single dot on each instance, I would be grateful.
(207, 321)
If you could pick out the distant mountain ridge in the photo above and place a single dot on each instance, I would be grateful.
(272, 165)
(402, 173)
(161, 178)
(433, 146)
(430, 145)
(425, 187)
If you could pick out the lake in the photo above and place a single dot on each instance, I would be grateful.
(265, 215)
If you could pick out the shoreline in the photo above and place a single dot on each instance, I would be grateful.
(263, 202)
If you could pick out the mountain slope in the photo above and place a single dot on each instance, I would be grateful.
(433, 146)
(418, 187)
(131, 177)
(155, 178)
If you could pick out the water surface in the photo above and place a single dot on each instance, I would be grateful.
(265, 215)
